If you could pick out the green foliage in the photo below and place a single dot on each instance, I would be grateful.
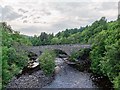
(13, 58)
(82, 54)
(47, 62)
(55, 41)
(105, 39)
(73, 56)
(117, 82)
(64, 37)
(18, 57)
(42, 39)
(105, 54)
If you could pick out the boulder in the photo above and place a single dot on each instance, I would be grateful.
(57, 69)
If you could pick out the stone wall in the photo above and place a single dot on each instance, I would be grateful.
(67, 48)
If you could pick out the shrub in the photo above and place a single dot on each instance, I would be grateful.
(116, 82)
(73, 57)
(82, 54)
(105, 55)
(47, 63)
(12, 63)
(13, 59)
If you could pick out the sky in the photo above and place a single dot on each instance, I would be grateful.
(31, 17)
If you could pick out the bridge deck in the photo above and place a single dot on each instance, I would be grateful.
(67, 48)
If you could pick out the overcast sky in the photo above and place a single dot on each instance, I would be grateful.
(35, 16)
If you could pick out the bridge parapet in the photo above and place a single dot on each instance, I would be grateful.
(67, 48)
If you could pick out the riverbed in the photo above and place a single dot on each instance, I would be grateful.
(69, 77)
(65, 77)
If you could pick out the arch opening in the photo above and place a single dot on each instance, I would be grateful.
(60, 53)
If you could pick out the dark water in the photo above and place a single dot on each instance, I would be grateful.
(102, 81)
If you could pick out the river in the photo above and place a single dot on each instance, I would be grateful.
(69, 77)
(65, 77)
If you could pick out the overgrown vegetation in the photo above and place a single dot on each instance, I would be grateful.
(105, 39)
(105, 54)
(102, 35)
(69, 36)
(13, 58)
(47, 62)
(82, 59)
(82, 54)
(83, 35)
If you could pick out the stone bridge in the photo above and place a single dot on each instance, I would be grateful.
(67, 48)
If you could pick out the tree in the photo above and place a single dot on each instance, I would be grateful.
(13, 59)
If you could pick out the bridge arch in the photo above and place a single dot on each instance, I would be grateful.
(67, 48)
(60, 53)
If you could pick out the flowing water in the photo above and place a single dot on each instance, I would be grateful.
(68, 77)
(65, 77)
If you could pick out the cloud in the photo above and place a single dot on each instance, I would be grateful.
(36, 30)
(30, 30)
(33, 17)
(21, 10)
(8, 13)
(45, 12)
(108, 5)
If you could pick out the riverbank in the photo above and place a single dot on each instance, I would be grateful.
(65, 76)
(34, 78)
(69, 77)
(100, 81)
